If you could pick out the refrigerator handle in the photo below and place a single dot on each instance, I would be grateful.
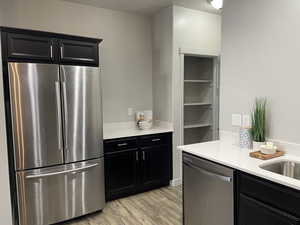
(59, 119)
(62, 172)
(65, 115)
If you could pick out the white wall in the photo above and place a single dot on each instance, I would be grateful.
(260, 57)
(125, 53)
(197, 30)
(5, 206)
(162, 42)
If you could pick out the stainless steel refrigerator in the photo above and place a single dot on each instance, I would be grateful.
(57, 137)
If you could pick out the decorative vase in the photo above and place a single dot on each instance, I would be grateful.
(245, 138)
(256, 145)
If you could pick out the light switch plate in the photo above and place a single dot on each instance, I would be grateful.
(130, 111)
(236, 120)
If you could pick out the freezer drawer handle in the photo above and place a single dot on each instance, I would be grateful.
(62, 172)
(218, 176)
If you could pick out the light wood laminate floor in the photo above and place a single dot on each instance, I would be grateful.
(158, 207)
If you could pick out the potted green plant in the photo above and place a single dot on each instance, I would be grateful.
(258, 120)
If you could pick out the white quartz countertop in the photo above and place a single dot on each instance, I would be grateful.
(225, 153)
(122, 130)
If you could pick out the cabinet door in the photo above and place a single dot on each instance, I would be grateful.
(121, 173)
(252, 212)
(79, 52)
(156, 161)
(30, 48)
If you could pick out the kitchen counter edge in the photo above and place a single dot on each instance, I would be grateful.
(225, 153)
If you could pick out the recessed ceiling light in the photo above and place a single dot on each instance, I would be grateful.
(217, 4)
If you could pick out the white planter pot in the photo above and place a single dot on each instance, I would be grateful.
(256, 145)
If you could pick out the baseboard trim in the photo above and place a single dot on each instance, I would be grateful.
(176, 182)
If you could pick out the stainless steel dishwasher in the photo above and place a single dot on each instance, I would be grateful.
(207, 192)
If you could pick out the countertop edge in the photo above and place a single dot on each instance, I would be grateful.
(109, 137)
(276, 178)
(129, 129)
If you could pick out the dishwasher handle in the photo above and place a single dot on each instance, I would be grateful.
(208, 173)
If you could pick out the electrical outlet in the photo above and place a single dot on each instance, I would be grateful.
(236, 120)
(246, 121)
(130, 111)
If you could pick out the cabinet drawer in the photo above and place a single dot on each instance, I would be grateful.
(252, 212)
(120, 144)
(273, 194)
(152, 140)
(30, 47)
(55, 194)
(78, 52)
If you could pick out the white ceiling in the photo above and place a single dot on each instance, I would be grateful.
(147, 7)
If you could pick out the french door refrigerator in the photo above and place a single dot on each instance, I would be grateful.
(57, 136)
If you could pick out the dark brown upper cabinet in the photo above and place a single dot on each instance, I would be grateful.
(72, 52)
(30, 48)
(44, 47)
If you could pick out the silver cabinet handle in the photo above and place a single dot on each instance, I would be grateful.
(144, 157)
(210, 174)
(51, 51)
(136, 156)
(65, 114)
(123, 144)
(156, 139)
(58, 108)
(61, 52)
(61, 172)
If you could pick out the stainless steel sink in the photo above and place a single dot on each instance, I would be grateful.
(285, 168)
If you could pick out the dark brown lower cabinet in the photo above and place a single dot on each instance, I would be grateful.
(253, 212)
(137, 164)
(156, 167)
(121, 173)
(262, 202)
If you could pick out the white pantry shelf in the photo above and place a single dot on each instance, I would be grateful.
(197, 81)
(196, 125)
(197, 104)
